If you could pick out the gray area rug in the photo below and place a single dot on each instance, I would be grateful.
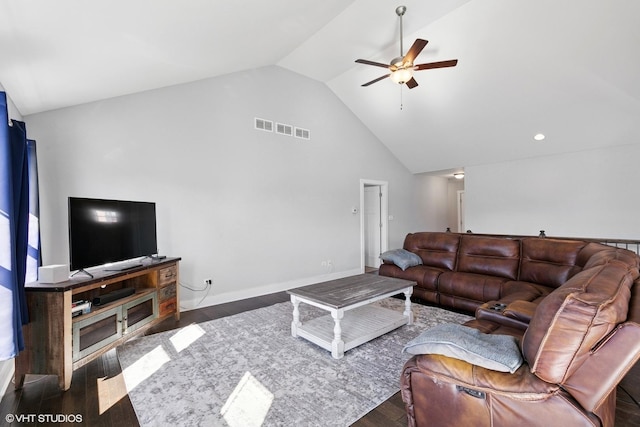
(247, 370)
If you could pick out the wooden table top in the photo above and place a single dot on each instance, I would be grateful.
(99, 275)
(350, 290)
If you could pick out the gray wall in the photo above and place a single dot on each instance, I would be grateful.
(257, 212)
(431, 200)
(582, 194)
(453, 186)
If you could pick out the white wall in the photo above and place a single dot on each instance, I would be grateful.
(584, 194)
(432, 205)
(257, 212)
(13, 111)
(453, 186)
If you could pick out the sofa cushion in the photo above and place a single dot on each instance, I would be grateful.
(401, 257)
(489, 255)
(490, 351)
(598, 254)
(425, 277)
(514, 290)
(436, 249)
(549, 262)
(475, 287)
(572, 319)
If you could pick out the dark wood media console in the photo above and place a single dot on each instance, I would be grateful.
(56, 343)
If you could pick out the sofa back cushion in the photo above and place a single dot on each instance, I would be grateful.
(597, 254)
(436, 249)
(573, 318)
(593, 254)
(549, 262)
(493, 256)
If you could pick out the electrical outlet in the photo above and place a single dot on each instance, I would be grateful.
(208, 282)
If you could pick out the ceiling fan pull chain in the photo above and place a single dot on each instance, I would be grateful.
(401, 106)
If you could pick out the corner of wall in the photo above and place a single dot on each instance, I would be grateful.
(7, 368)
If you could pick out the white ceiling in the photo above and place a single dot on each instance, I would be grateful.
(567, 68)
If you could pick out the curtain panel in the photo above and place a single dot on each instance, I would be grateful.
(14, 230)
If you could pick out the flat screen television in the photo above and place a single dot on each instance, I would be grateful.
(108, 231)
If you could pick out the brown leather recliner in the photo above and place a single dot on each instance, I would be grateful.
(580, 342)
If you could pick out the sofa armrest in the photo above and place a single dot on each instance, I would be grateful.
(607, 362)
(521, 310)
(475, 377)
(494, 311)
(438, 390)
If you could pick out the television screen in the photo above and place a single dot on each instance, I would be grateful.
(108, 231)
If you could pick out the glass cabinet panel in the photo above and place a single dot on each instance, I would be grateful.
(95, 332)
(139, 312)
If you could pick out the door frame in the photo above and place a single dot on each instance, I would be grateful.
(384, 217)
(460, 205)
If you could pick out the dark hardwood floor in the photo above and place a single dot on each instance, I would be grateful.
(98, 395)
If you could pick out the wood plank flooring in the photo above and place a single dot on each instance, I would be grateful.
(98, 395)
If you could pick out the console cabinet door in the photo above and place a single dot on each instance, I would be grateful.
(139, 312)
(95, 332)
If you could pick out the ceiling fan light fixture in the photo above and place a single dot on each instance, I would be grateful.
(401, 69)
(402, 75)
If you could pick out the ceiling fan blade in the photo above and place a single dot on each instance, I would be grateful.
(412, 83)
(415, 50)
(441, 64)
(367, 62)
(376, 80)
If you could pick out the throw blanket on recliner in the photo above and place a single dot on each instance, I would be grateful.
(495, 352)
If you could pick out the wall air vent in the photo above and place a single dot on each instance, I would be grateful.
(283, 129)
(265, 125)
(302, 133)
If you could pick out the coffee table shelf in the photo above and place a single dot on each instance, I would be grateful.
(352, 320)
(358, 326)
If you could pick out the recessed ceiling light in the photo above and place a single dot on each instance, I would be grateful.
(539, 137)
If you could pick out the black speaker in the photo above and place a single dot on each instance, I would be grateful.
(113, 295)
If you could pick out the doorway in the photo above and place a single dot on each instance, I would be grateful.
(460, 203)
(373, 222)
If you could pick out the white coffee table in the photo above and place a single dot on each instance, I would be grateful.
(352, 320)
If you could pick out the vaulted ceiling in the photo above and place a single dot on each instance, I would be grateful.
(568, 68)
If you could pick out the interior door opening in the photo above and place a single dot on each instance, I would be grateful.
(372, 217)
(373, 222)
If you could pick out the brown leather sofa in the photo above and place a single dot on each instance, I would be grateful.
(464, 271)
(574, 307)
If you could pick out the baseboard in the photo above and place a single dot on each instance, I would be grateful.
(7, 368)
(192, 304)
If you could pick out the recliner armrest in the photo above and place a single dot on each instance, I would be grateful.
(605, 367)
(494, 311)
(521, 310)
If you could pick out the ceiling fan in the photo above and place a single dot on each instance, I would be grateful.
(401, 68)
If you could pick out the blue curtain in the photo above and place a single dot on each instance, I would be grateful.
(14, 231)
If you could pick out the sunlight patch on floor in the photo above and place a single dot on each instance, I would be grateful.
(186, 336)
(248, 404)
(110, 391)
(144, 367)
